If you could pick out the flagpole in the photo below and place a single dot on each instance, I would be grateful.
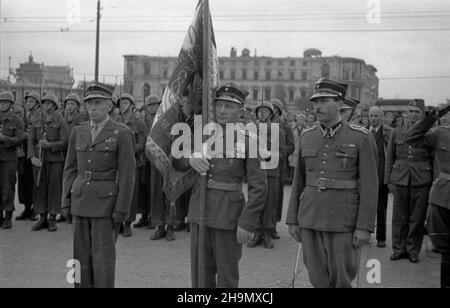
(205, 112)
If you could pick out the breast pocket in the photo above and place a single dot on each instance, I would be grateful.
(443, 152)
(236, 203)
(310, 157)
(9, 131)
(53, 132)
(106, 154)
(347, 157)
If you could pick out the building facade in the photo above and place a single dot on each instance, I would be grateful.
(290, 79)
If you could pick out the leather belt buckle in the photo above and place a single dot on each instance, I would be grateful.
(88, 175)
(321, 184)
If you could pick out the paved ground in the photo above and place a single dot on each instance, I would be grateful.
(29, 259)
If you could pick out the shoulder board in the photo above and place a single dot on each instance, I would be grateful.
(359, 128)
(309, 129)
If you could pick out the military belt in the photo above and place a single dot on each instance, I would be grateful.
(413, 159)
(323, 184)
(444, 176)
(212, 184)
(99, 176)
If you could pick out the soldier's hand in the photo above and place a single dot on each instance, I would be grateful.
(391, 188)
(360, 238)
(44, 144)
(243, 236)
(36, 162)
(65, 212)
(199, 163)
(295, 232)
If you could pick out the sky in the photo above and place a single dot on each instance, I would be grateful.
(411, 64)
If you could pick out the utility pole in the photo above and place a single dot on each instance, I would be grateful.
(97, 43)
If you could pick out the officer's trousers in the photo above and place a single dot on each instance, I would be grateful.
(161, 213)
(267, 218)
(383, 195)
(47, 197)
(8, 171)
(182, 205)
(144, 203)
(94, 247)
(330, 258)
(438, 225)
(25, 182)
(408, 218)
(132, 212)
(222, 256)
(279, 208)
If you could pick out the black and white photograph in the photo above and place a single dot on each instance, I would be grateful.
(251, 145)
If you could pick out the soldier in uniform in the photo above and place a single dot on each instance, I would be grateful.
(409, 172)
(268, 217)
(151, 107)
(334, 195)
(11, 136)
(99, 176)
(230, 221)
(437, 139)
(381, 132)
(46, 146)
(25, 174)
(285, 151)
(128, 117)
(72, 115)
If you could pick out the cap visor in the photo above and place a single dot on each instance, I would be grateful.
(322, 95)
(89, 97)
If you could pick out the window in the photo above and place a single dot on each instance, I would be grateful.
(304, 93)
(280, 74)
(256, 62)
(255, 94)
(268, 75)
(244, 74)
(233, 74)
(221, 75)
(292, 62)
(267, 94)
(292, 76)
(147, 68)
(304, 76)
(305, 63)
(256, 75)
(280, 62)
(163, 88)
(130, 68)
(291, 95)
(268, 62)
(346, 74)
(325, 71)
(147, 89)
(165, 74)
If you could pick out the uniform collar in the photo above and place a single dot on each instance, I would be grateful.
(99, 125)
(330, 132)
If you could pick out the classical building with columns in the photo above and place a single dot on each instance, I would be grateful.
(290, 79)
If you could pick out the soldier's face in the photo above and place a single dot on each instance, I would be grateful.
(31, 102)
(151, 109)
(48, 106)
(227, 112)
(125, 105)
(71, 106)
(264, 114)
(5, 106)
(414, 115)
(326, 109)
(98, 109)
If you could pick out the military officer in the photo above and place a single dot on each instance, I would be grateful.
(25, 174)
(151, 107)
(46, 146)
(437, 139)
(99, 176)
(267, 220)
(285, 151)
(230, 220)
(128, 117)
(11, 136)
(72, 115)
(334, 195)
(409, 172)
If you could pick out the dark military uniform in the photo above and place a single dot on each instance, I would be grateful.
(48, 180)
(410, 170)
(98, 186)
(75, 120)
(438, 219)
(139, 130)
(334, 193)
(11, 127)
(226, 209)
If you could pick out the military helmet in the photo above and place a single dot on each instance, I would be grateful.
(72, 97)
(152, 100)
(51, 98)
(277, 103)
(267, 105)
(114, 100)
(128, 97)
(7, 96)
(34, 95)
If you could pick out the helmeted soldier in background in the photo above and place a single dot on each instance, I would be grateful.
(72, 115)
(230, 220)
(347, 110)
(286, 150)
(128, 117)
(334, 195)
(25, 185)
(11, 136)
(46, 147)
(99, 176)
(438, 220)
(267, 220)
(409, 172)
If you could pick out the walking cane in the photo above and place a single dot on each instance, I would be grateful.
(294, 276)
